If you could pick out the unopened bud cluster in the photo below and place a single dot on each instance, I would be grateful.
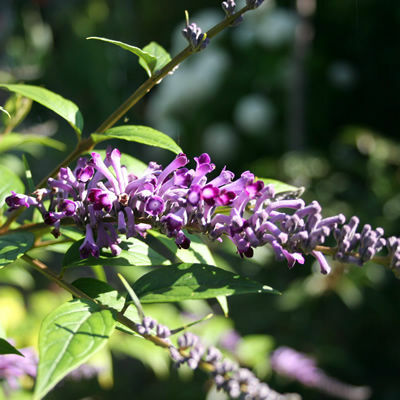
(238, 383)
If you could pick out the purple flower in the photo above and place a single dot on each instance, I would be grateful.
(89, 247)
(19, 200)
(292, 364)
(154, 206)
(13, 366)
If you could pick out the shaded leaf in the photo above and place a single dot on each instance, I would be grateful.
(68, 337)
(61, 106)
(18, 140)
(193, 281)
(146, 60)
(9, 181)
(134, 252)
(139, 134)
(7, 348)
(14, 245)
(198, 252)
(28, 174)
(162, 58)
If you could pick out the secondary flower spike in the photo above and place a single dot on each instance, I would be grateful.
(107, 201)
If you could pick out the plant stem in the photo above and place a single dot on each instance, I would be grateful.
(86, 145)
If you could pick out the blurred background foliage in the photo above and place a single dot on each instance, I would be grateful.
(302, 91)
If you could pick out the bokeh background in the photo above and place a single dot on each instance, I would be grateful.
(302, 91)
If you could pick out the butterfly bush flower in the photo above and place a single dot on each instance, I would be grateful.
(107, 201)
(292, 364)
(13, 366)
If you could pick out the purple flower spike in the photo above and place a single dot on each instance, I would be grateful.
(182, 241)
(89, 247)
(154, 206)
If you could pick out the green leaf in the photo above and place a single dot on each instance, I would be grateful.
(9, 181)
(101, 291)
(146, 59)
(68, 337)
(61, 106)
(18, 108)
(139, 134)
(193, 281)
(283, 188)
(2, 109)
(198, 252)
(14, 245)
(134, 252)
(7, 348)
(15, 141)
(162, 58)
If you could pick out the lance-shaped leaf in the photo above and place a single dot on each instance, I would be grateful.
(139, 134)
(17, 141)
(14, 245)
(193, 281)
(198, 252)
(7, 348)
(152, 57)
(68, 337)
(9, 181)
(283, 188)
(162, 58)
(134, 252)
(61, 106)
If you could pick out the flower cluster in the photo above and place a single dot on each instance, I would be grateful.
(298, 366)
(150, 326)
(196, 38)
(13, 366)
(252, 4)
(228, 376)
(107, 201)
(229, 9)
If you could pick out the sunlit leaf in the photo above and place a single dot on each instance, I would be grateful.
(146, 59)
(134, 252)
(193, 281)
(283, 188)
(68, 337)
(139, 134)
(61, 106)
(162, 58)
